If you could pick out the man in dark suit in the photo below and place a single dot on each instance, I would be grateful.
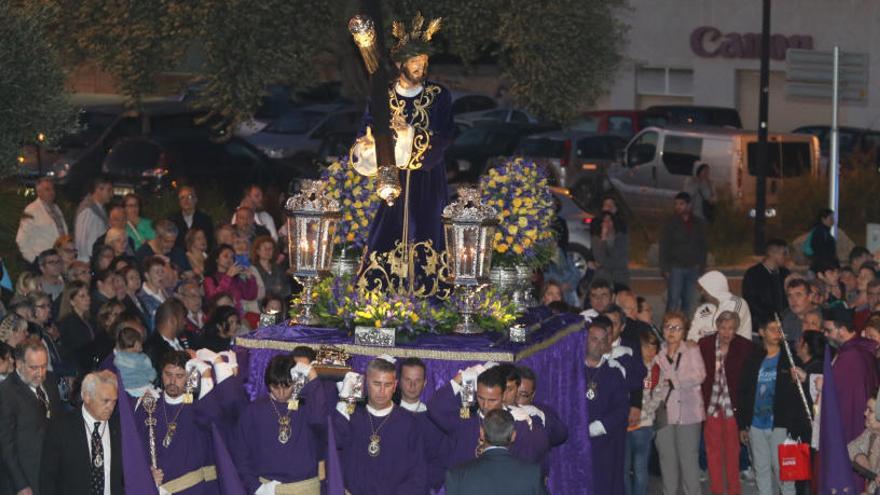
(82, 452)
(166, 337)
(28, 400)
(496, 471)
(190, 218)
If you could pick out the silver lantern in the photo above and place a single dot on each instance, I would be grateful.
(311, 224)
(469, 226)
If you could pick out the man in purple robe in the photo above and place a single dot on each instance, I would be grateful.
(276, 447)
(462, 422)
(854, 367)
(412, 384)
(182, 429)
(557, 430)
(608, 406)
(380, 444)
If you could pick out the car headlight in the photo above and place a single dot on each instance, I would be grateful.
(274, 152)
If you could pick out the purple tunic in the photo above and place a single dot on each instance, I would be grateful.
(855, 373)
(437, 448)
(531, 444)
(610, 405)
(399, 469)
(258, 453)
(191, 446)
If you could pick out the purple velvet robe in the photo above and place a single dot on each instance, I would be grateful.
(437, 448)
(557, 433)
(257, 451)
(191, 446)
(610, 405)
(855, 373)
(399, 469)
(444, 408)
(427, 185)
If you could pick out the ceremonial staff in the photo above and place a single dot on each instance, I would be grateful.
(149, 403)
(793, 366)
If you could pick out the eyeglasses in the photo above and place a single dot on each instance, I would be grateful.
(673, 328)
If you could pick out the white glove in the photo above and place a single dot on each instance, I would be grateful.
(534, 411)
(488, 365)
(163, 491)
(386, 357)
(231, 358)
(597, 429)
(207, 355)
(520, 414)
(267, 488)
(304, 369)
(197, 364)
(348, 383)
(223, 370)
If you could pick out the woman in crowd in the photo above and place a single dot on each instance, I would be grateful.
(724, 354)
(117, 239)
(26, 283)
(611, 250)
(221, 328)
(223, 274)
(139, 229)
(77, 330)
(678, 434)
(552, 293)
(196, 250)
(638, 439)
(271, 277)
(13, 330)
(131, 278)
(48, 332)
(66, 249)
(863, 449)
(101, 258)
(105, 321)
(769, 409)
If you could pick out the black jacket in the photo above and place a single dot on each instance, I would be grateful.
(496, 472)
(156, 347)
(201, 220)
(23, 425)
(823, 244)
(788, 409)
(76, 340)
(765, 293)
(65, 468)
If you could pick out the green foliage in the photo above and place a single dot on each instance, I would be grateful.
(250, 45)
(555, 56)
(31, 85)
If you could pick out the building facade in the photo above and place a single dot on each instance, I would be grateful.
(707, 52)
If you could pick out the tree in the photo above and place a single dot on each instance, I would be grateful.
(31, 86)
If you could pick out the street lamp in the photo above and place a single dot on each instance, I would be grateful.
(311, 223)
(469, 226)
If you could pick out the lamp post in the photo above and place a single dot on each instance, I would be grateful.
(469, 226)
(311, 223)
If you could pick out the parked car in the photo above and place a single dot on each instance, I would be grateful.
(691, 115)
(295, 137)
(468, 156)
(497, 115)
(153, 164)
(623, 123)
(471, 102)
(575, 160)
(578, 221)
(657, 162)
(853, 143)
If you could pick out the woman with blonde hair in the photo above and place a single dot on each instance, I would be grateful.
(26, 283)
(13, 330)
(679, 419)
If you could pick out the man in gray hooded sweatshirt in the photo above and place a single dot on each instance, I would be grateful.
(716, 290)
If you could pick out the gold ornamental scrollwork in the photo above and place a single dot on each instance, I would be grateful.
(397, 273)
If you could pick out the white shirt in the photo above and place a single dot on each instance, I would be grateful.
(416, 407)
(380, 413)
(87, 229)
(174, 343)
(188, 219)
(37, 230)
(158, 295)
(104, 430)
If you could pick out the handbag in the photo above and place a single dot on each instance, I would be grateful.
(661, 416)
(794, 461)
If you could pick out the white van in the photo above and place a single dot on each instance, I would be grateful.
(657, 162)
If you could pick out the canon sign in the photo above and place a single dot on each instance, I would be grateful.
(708, 41)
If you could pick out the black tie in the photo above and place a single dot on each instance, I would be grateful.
(97, 467)
(43, 400)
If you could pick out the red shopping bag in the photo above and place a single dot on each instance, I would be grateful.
(794, 461)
